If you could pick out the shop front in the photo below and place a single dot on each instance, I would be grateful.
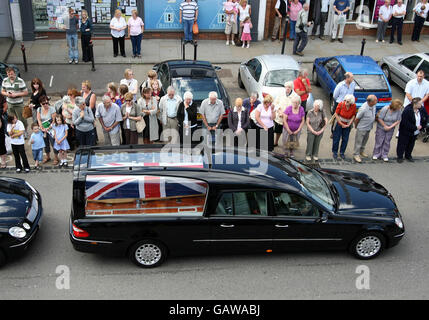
(161, 17)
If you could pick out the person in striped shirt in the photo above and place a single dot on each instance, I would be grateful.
(189, 15)
(14, 89)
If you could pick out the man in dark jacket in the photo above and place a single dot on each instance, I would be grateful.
(414, 118)
(251, 104)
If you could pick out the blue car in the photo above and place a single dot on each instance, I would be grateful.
(369, 78)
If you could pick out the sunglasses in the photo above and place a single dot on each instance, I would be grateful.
(45, 103)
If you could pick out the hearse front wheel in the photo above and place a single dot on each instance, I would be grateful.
(148, 254)
(2, 258)
(367, 245)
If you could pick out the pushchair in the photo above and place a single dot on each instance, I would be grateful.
(425, 133)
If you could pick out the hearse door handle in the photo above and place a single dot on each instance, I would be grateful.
(227, 225)
(282, 226)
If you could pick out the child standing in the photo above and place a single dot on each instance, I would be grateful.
(16, 129)
(246, 37)
(230, 6)
(37, 144)
(60, 136)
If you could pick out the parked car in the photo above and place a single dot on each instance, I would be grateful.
(199, 77)
(148, 204)
(368, 76)
(267, 74)
(3, 67)
(20, 215)
(402, 68)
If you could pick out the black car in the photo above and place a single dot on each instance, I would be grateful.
(20, 214)
(148, 204)
(199, 77)
(3, 67)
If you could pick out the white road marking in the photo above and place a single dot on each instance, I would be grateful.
(50, 83)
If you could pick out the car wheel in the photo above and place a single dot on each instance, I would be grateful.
(368, 245)
(2, 258)
(386, 72)
(240, 83)
(315, 78)
(148, 254)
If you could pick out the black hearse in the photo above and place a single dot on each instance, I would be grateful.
(148, 204)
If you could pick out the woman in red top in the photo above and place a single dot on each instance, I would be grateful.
(344, 115)
(302, 87)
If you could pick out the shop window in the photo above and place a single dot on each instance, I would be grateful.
(51, 14)
(40, 13)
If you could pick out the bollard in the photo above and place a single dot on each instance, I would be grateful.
(195, 50)
(284, 37)
(91, 52)
(24, 56)
(363, 46)
(183, 49)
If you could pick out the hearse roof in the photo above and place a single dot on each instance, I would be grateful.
(144, 158)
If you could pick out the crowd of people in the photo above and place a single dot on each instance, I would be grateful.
(128, 111)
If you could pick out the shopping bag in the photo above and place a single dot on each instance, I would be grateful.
(195, 28)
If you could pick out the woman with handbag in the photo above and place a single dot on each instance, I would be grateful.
(265, 115)
(149, 110)
(387, 119)
(316, 124)
(293, 121)
(342, 121)
(131, 113)
(45, 117)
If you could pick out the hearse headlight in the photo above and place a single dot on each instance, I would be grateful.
(17, 232)
(399, 223)
(26, 226)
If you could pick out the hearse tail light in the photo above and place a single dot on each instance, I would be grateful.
(79, 233)
(385, 99)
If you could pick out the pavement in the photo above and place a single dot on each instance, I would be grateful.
(156, 50)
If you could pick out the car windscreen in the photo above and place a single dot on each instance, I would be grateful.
(200, 87)
(277, 78)
(314, 184)
(370, 82)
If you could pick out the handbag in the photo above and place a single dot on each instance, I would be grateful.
(140, 125)
(253, 116)
(292, 142)
(8, 143)
(27, 112)
(195, 28)
(342, 19)
(309, 103)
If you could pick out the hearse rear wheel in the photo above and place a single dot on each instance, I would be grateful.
(148, 254)
(368, 245)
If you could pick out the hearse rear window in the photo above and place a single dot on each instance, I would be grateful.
(108, 195)
(144, 158)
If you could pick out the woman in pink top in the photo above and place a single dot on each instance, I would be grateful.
(295, 8)
(135, 32)
(265, 115)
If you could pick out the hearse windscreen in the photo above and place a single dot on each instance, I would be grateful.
(109, 195)
(143, 158)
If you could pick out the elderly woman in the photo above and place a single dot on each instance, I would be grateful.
(131, 113)
(46, 117)
(264, 116)
(149, 109)
(387, 119)
(282, 101)
(117, 29)
(83, 120)
(239, 121)
(187, 117)
(293, 121)
(316, 124)
(135, 31)
(345, 114)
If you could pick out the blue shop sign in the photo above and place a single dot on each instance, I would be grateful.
(164, 15)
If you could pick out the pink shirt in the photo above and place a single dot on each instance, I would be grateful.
(265, 116)
(135, 26)
(294, 10)
(246, 27)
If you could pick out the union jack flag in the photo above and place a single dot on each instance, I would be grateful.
(106, 187)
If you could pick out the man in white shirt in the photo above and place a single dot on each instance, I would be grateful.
(398, 14)
(384, 15)
(320, 14)
(420, 14)
(417, 88)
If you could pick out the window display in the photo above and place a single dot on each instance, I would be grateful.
(101, 11)
(51, 14)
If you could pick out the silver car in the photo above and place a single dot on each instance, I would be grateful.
(402, 68)
(267, 74)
